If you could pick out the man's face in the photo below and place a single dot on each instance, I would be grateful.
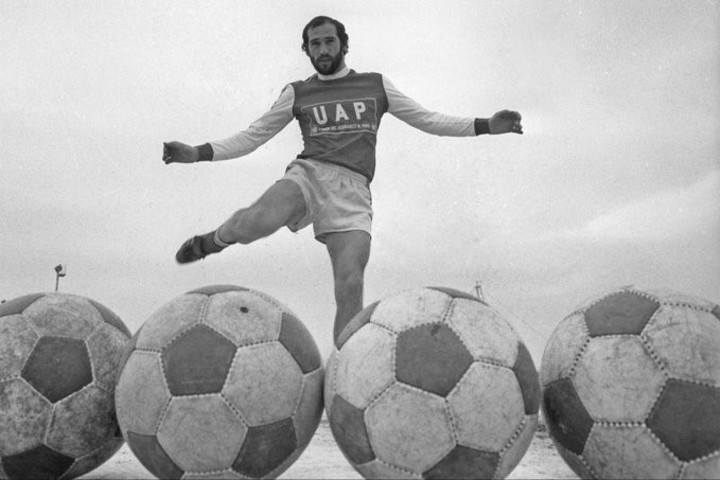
(324, 49)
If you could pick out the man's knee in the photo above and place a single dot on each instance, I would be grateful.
(248, 225)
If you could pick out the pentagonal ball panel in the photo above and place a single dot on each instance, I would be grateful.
(431, 357)
(198, 361)
(58, 366)
(265, 448)
(620, 313)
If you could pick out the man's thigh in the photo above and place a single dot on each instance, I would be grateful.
(281, 204)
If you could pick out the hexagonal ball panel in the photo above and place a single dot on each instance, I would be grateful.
(620, 313)
(264, 383)
(198, 361)
(465, 462)
(411, 308)
(24, 417)
(245, 317)
(265, 448)
(39, 462)
(201, 433)
(686, 341)
(686, 418)
(485, 333)
(567, 419)
(364, 366)
(355, 324)
(58, 366)
(347, 424)
(628, 452)
(169, 320)
(562, 349)
(17, 340)
(141, 395)
(17, 305)
(397, 435)
(617, 380)
(431, 357)
(487, 407)
(63, 315)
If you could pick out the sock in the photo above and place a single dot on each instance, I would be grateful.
(211, 243)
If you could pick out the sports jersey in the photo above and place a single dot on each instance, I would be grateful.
(339, 117)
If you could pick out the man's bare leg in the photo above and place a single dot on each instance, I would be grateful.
(280, 205)
(349, 254)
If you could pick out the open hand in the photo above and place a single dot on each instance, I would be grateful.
(505, 121)
(177, 152)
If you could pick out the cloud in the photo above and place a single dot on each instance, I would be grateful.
(669, 215)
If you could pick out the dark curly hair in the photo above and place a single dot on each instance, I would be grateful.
(316, 22)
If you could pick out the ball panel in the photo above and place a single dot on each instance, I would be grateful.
(266, 448)
(198, 361)
(487, 407)
(378, 469)
(296, 338)
(107, 346)
(617, 380)
(465, 462)
(485, 333)
(576, 463)
(245, 317)
(228, 474)
(527, 378)
(431, 357)
(716, 312)
(307, 415)
(141, 395)
(347, 424)
(365, 365)
(567, 420)
(455, 294)
(24, 417)
(628, 452)
(260, 372)
(697, 356)
(151, 454)
(39, 462)
(189, 430)
(57, 367)
(703, 469)
(211, 290)
(17, 340)
(97, 457)
(17, 305)
(63, 315)
(169, 320)
(620, 313)
(110, 318)
(397, 436)
(82, 422)
(518, 446)
(562, 349)
(411, 308)
(355, 323)
(687, 419)
(672, 297)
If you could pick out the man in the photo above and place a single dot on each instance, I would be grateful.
(327, 185)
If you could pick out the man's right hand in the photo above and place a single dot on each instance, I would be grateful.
(177, 152)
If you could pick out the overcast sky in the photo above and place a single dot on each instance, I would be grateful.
(616, 180)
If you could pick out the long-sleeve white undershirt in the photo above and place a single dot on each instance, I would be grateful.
(281, 113)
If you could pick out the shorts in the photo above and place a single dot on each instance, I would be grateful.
(336, 198)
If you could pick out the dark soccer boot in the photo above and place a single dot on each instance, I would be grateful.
(196, 248)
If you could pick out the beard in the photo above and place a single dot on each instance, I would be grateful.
(326, 64)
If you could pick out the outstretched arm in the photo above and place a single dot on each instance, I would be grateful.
(242, 143)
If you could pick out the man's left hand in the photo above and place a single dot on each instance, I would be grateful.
(505, 121)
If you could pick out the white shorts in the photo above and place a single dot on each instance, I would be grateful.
(336, 198)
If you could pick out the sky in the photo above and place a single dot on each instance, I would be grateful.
(616, 180)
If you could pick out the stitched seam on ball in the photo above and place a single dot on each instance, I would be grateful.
(399, 469)
(235, 410)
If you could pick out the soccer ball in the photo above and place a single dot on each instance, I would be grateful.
(431, 383)
(221, 381)
(631, 386)
(59, 356)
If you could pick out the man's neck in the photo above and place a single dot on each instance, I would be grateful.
(344, 70)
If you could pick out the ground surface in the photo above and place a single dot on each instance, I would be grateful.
(323, 459)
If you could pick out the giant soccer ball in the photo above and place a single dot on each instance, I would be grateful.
(431, 383)
(223, 381)
(631, 386)
(59, 356)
